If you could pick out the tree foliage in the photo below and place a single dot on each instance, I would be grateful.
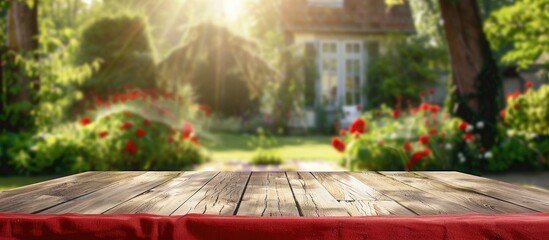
(224, 69)
(523, 30)
(122, 45)
(405, 71)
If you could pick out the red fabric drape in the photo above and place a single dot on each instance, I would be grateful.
(195, 226)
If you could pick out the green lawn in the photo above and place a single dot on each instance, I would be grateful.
(17, 181)
(236, 147)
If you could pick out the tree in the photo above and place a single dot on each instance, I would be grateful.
(521, 32)
(224, 69)
(123, 46)
(474, 70)
(22, 42)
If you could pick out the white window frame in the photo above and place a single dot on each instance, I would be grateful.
(342, 56)
(327, 3)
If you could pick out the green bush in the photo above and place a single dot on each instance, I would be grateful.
(266, 157)
(529, 112)
(404, 71)
(123, 47)
(134, 130)
(392, 138)
(263, 143)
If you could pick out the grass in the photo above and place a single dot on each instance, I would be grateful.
(236, 147)
(18, 181)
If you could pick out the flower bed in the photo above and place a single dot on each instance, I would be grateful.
(135, 130)
(422, 137)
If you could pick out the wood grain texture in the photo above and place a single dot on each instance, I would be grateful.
(535, 199)
(220, 196)
(113, 195)
(268, 194)
(375, 208)
(473, 201)
(44, 195)
(345, 187)
(420, 202)
(312, 198)
(47, 184)
(166, 198)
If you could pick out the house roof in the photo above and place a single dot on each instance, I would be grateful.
(360, 16)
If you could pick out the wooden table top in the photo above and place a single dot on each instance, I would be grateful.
(274, 194)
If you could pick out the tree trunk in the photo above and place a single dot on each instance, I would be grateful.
(22, 39)
(474, 69)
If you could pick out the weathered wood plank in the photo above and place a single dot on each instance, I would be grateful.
(47, 184)
(113, 195)
(375, 208)
(312, 198)
(345, 187)
(534, 199)
(268, 194)
(57, 192)
(220, 196)
(420, 202)
(166, 198)
(477, 203)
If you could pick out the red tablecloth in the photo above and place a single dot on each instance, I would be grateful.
(194, 226)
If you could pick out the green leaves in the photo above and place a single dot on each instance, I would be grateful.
(520, 32)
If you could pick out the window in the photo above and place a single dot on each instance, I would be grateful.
(326, 3)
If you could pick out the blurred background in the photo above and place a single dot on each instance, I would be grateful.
(271, 85)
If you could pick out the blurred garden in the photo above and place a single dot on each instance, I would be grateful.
(96, 85)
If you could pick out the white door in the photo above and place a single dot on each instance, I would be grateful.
(341, 73)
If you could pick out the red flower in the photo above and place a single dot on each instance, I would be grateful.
(516, 107)
(396, 113)
(468, 137)
(127, 114)
(482, 150)
(425, 106)
(407, 146)
(126, 125)
(435, 108)
(529, 84)
(338, 144)
(432, 91)
(140, 133)
(358, 126)
(424, 139)
(194, 140)
(502, 113)
(342, 132)
(415, 110)
(85, 121)
(205, 109)
(433, 132)
(463, 126)
(187, 130)
(416, 157)
(131, 148)
(147, 122)
(103, 134)
(170, 139)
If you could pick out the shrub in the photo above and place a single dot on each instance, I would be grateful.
(404, 71)
(529, 112)
(133, 130)
(264, 154)
(411, 137)
(122, 45)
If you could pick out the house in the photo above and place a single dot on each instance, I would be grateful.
(345, 36)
